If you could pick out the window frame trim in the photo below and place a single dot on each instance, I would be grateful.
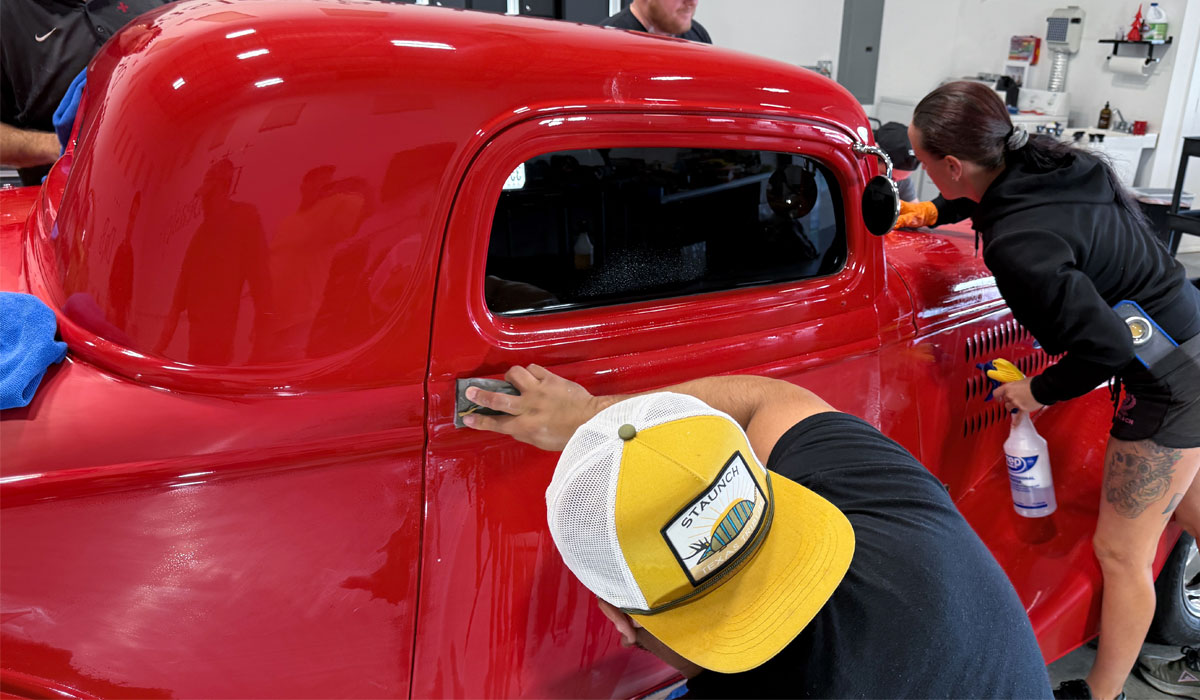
(756, 307)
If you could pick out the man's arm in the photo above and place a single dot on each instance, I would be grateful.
(551, 408)
(22, 148)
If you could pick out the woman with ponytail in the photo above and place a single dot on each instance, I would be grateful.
(1066, 243)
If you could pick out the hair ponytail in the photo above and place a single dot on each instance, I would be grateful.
(968, 120)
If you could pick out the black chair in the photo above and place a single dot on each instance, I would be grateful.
(1187, 221)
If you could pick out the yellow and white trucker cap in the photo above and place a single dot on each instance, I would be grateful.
(659, 506)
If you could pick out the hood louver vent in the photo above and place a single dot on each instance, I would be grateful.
(1010, 341)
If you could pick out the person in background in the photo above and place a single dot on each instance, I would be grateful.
(44, 46)
(892, 137)
(1066, 243)
(669, 17)
(836, 568)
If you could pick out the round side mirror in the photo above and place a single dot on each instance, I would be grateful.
(880, 205)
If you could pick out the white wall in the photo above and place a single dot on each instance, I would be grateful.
(1182, 115)
(1191, 127)
(800, 32)
(916, 48)
(927, 41)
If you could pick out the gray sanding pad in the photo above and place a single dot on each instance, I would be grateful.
(463, 405)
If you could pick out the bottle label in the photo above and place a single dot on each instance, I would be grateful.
(1020, 465)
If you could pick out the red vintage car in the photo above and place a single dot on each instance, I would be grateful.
(285, 229)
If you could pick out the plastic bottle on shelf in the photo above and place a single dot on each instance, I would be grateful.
(1156, 22)
(1029, 474)
(1105, 117)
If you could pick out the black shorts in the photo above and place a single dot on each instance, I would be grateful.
(1162, 405)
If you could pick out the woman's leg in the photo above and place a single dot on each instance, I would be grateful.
(1187, 514)
(1143, 485)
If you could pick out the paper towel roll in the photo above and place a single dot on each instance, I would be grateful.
(1130, 65)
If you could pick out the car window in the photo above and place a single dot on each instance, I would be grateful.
(586, 228)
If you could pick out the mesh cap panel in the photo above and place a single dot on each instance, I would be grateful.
(581, 499)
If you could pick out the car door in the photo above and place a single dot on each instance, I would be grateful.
(625, 252)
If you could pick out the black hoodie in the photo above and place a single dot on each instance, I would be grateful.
(1063, 251)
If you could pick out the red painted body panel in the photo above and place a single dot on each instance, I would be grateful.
(825, 330)
(266, 249)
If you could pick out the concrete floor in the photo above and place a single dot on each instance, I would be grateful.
(1079, 662)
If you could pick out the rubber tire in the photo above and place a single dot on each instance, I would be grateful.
(1174, 623)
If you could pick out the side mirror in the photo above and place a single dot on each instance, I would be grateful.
(880, 205)
(881, 197)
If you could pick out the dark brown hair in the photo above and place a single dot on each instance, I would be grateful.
(968, 120)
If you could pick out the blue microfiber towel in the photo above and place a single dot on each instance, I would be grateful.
(27, 347)
(64, 116)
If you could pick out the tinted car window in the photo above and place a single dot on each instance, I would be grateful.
(605, 226)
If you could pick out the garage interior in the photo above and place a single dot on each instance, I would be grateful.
(1073, 71)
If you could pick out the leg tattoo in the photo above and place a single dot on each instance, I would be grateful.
(1137, 478)
(1174, 502)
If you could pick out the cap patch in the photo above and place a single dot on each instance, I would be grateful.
(714, 527)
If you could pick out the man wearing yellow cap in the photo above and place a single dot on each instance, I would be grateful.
(839, 569)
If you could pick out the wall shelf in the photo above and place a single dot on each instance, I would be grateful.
(1150, 46)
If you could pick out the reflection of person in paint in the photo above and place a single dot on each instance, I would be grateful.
(227, 254)
(902, 603)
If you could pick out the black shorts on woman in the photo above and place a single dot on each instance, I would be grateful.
(1162, 402)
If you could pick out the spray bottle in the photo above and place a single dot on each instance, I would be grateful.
(1025, 453)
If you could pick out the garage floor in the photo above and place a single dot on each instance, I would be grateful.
(1078, 663)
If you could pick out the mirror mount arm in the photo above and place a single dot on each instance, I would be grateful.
(864, 149)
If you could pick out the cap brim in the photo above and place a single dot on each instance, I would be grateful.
(751, 617)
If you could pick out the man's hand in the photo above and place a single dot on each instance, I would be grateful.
(917, 214)
(545, 415)
(551, 408)
(23, 148)
(1017, 395)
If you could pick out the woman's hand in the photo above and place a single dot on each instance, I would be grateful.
(545, 415)
(917, 214)
(1017, 395)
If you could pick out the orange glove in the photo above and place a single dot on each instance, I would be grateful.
(916, 214)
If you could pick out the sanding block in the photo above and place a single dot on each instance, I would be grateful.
(464, 406)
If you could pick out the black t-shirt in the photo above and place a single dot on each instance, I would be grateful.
(924, 610)
(625, 19)
(46, 43)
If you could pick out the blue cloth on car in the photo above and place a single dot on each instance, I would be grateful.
(64, 115)
(27, 347)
